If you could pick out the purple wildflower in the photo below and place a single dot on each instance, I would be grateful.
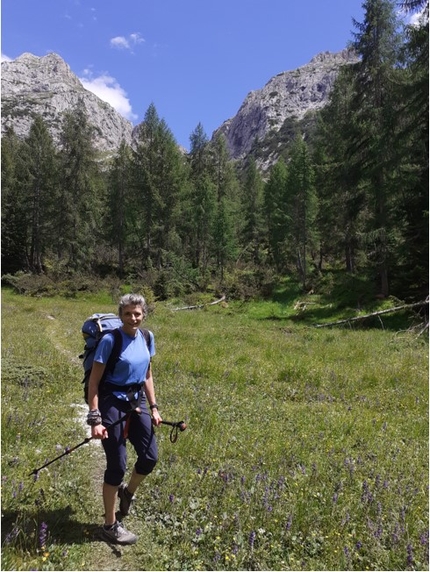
(251, 539)
(378, 532)
(346, 551)
(11, 535)
(43, 534)
(410, 556)
(366, 495)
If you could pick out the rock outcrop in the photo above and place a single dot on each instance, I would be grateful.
(290, 94)
(46, 86)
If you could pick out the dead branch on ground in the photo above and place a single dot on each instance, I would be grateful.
(200, 305)
(372, 314)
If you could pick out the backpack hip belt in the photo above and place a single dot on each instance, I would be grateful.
(128, 389)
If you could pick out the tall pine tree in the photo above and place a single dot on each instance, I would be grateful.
(302, 205)
(76, 229)
(377, 43)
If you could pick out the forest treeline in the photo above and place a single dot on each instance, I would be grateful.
(352, 197)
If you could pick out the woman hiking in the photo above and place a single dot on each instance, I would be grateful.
(128, 388)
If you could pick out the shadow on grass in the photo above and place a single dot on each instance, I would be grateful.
(59, 525)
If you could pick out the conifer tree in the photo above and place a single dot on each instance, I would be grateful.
(200, 206)
(159, 176)
(119, 215)
(412, 146)
(377, 44)
(342, 206)
(226, 224)
(77, 226)
(14, 233)
(253, 236)
(276, 213)
(302, 207)
(40, 188)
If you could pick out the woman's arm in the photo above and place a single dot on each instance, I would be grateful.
(150, 396)
(97, 431)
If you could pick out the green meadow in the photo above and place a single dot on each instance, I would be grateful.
(306, 448)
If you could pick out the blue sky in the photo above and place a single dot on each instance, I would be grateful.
(195, 60)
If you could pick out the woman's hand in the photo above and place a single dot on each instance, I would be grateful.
(99, 432)
(156, 417)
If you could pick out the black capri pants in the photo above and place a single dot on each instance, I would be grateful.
(140, 434)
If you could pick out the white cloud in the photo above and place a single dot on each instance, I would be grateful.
(418, 19)
(120, 42)
(136, 38)
(108, 89)
(127, 43)
(414, 18)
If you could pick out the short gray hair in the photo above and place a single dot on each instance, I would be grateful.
(132, 300)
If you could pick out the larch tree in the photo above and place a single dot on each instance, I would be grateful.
(302, 203)
(14, 205)
(226, 219)
(77, 225)
(40, 187)
(120, 202)
(276, 213)
(253, 236)
(200, 207)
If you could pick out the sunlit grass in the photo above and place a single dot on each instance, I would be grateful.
(306, 449)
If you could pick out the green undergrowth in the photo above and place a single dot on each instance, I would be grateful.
(305, 448)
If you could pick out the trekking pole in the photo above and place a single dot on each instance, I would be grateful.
(176, 427)
(84, 442)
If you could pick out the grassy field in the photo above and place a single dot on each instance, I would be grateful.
(306, 448)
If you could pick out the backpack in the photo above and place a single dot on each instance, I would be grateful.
(93, 329)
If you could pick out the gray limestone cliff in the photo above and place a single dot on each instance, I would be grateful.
(46, 86)
(288, 95)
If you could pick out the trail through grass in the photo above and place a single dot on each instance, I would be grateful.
(306, 449)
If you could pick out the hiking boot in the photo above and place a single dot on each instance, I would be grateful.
(125, 499)
(118, 534)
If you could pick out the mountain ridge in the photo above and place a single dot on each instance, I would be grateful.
(46, 85)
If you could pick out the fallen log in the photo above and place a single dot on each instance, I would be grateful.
(200, 305)
(372, 314)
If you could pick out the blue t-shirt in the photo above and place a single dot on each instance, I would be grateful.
(133, 361)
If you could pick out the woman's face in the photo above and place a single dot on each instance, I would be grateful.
(131, 317)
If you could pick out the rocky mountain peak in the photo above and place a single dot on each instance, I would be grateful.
(290, 94)
(46, 86)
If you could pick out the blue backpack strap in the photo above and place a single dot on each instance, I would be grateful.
(114, 355)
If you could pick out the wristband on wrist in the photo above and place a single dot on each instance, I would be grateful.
(153, 406)
(94, 418)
